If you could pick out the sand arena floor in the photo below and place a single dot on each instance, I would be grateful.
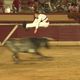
(64, 65)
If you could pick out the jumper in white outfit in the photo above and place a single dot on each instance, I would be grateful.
(40, 21)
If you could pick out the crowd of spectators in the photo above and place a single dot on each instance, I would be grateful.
(45, 6)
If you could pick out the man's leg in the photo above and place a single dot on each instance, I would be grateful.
(29, 25)
(44, 24)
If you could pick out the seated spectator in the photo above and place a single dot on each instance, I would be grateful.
(36, 5)
(64, 2)
(7, 9)
(31, 4)
(78, 4)
(16, 5)
(1, 6)
(73, 8)
(44, 3)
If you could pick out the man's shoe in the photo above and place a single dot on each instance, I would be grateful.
(24, 25)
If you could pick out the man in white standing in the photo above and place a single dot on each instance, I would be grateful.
(41, 20)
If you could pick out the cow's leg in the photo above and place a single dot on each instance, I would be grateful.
(11, 46)
(15, 57)
(38, 54)
(43, 57)
(46, 44)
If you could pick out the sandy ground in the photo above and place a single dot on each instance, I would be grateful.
(64, 65)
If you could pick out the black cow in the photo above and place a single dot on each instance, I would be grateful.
(29, 45)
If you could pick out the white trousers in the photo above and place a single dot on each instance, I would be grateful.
(42, 24)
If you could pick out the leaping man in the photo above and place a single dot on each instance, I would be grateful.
(41, 20)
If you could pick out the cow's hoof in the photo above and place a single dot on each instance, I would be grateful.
(16, 60)
(45, 58)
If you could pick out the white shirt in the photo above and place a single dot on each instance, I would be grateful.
(42, 18)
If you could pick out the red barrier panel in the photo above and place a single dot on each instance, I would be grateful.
(59, 33)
